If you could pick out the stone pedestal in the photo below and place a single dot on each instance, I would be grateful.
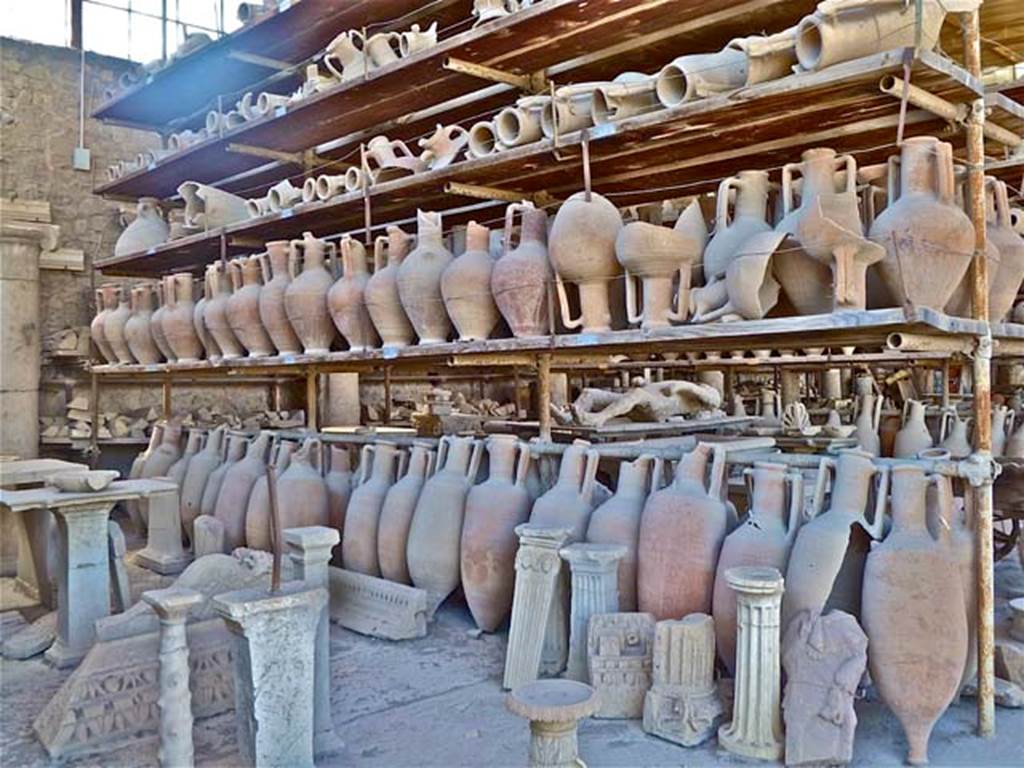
(36, 532)
(173, 606)
(554, 709)
(619, 654)
(537, 570)
(310, 551)
(555, 649)
(595, 590)
(275, 641)
(164, 552)
(683, 705)
(756, 727)
(207, 536)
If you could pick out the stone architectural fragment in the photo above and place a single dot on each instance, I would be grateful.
(619, 655)
(554, 709)
(595, 589)
(208, 536)
(376, 607)
(683, 704)
(33, 639)
(121, 592)
(163, 552)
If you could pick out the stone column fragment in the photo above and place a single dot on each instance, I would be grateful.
(595, 590)
(756, 727)
(537, 570)
(164, 552)
(554, 709)
(121, 592)
(172, 606)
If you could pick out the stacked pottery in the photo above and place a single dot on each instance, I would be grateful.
(257, 511)
(305, 299)
(146, 230)
(237, 445)
(216, 315)
(434, 537)
(114, 328)
(273, 316)
(381, 292)
(156, 322)
(571, 500)
(763, 539)
(681, 532)
(339, 487)
(419, 281)
(914, 616)
(233, 498)
(749, 217)
(362, 518)
(243, 308)
(197, 475)
(466, 287)
(582, 250)
(210, 348)
(176, 473)
(397, 512)
(519, 279)
(347, 298)
(138, 332)
(178, 324)
(104, 297)
(914, 436)
(489, 543)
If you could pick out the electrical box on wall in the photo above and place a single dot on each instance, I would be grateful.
(81, 159)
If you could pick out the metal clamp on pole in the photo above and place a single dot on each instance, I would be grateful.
(535, 82)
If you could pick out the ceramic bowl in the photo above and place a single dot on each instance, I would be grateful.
(84, 482)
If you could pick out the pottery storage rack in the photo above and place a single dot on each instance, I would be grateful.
(762, 126)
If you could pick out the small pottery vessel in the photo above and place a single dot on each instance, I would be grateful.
(197, 475)
(570, 110)
(482, 140)
(233, 498)
(148, 229)
(161, 459)
(868, 420)
(305, 300)
(696, 76)
(415, 40)
(519, 279)
(283, 195)
(396, 515)
(953, 434)
(749, 217)
(210, 349)
(193, 444)
(114, 327)
(339, 488)
(434, 537)
(216, 317)
(749, 291)
(344, 55)
(156, 322)
(466, 287)
(383, 48)
(177, 321)
(571, 499)
(346, 299)
(581, 246)
(489, 543)
(359, 539)
(1014, 447)
(243, 307)
(419, 281)
(917, 633)
(104, 297)
(442, 147)
(381, 292)
(208, 207)
(257, 511)
(237, 445)
(138, 330)
(914, 436)
(1002, 419)
(630, 93)
(276, 278)
(390, 159)
(518, 125)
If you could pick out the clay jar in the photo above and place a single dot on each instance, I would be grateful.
(301, 491)
(216, 315)
(419, 281)
(137, 331)
(489, 542)
(305, 300)
(196, 476)
(917, 632)
(953, 434)
(381, 292)
(163, 457)
(396, 515)
(763, 539)
(243, 308)
(570, 501)
(868, 421)
(914, 436)
(273, 316)
(146, 230)
(582, 251)
(346, 299)
(104, 296)
(233, 499)
(176, 473)
(178, 324)
(749, 217)
(257, 511)
(466, 287)
(156, 323)
(519, 279)
(434, 537)
(681, 533)
(617, 521)
(114, 327)
(237, 445)
(339, 487)
(928, 239)
(210, 348)
(359, 539)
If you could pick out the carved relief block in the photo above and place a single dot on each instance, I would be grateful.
(620, 648)
(377, 607)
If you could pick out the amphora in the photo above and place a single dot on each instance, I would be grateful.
(138, 331)
(953, 434)
(466, 287)
(166, 453)
(913, 436)
(339, 487)
(210, 348)
(114, 327)
(346, 299)
(178, 323)
(419, 281)
(381, 292)
(344, 55)
(216, 314)
(243, 308)
(301, 490)
(257, 511)
(305, 299)
(519, 279)
(741, 212)
(236, 448)
(396, 514)
(193, 444)
(197, 475)
(1002, 422)
(156, 321)
(273, 316)
(442, 147)
(868, 419)
(104, 297)
(570, 501)
(233, 499)
(359, 538)
(147, 229)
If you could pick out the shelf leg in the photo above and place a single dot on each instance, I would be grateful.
(544, 396)
(312, 401)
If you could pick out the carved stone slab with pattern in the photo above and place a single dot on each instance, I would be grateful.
(377, 607)
(619, 655)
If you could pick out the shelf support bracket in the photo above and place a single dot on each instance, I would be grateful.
(540, 199)
(535, 82)
(295, 158)
(261, 61)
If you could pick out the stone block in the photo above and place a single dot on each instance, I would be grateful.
(619, 657)
(376, 607)
(33, 639)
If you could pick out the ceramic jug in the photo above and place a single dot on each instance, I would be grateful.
(1001, 423)
(953, 434)
(442, 147)
(197, 475)
(339, 488)
(617, 521)
(114, 327)
(305, 300)
(415, 40)
(344, 55)
(162, 459)
(105, 301)
(581, 246)
(276, 278)
(571, 500)
(381, 292)
(156, 322)
(489, 542)
(927, 238)
(210, 349)
(132, 506)
(301, 491)
(359, 540)
(519, 279)
(216, 315)
(233, 498)
(137, 331)
(867, 416)
(257, 512)
(390, 159)
(207, 207)
(148, 229)
(630, 93)
(193, 444)
(826, 563)
(243, 308)
(466, 287)
(383, 48)
(396, 515)
(763, 539)
(914, 436)
(237, 445)
(681, 532)
(917, 631)
(434, 536)
(699, 75)
(519, 125)
(178, 325)
(749, 216)
(419, 281)
(346, 299)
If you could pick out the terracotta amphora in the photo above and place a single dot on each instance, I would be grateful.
(138, 332)
(419, 281)
(233, 499)
(953, 434)
(276, 278)
(381, 292)
(156, 322)
(489, 542)
(96, 328)
(257, 511)
(178, 324)
(193, 444)
(302, 493)
(396, 515)
(216, 314)
(581, 246)
(617, 521)
(147, 229)
(914, 616)
(114, 327)
(1004, 282)
(1014, 447)
(132, 506)
(571, 500)
(826, 563)
(305, 300)
(698, 75)
(237, 445)
(868, 417)
(681, 532)
(630, 93)
(160, 460)
(661, 260)
(339, 487)
(210, 349)
(1002, 422)
(763, 539)
(746, 196)
(466, 287)
(347, 301)
(927, 238)
(197, 475)
(359, 538)
(913, 436)
(435, 535)
(243, 308)
(519, 279)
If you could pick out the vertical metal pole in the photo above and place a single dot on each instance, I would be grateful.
(312, 401)
(94, 432)
(387, 395)
(544, 396)
(945, 383)
(167, 398)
